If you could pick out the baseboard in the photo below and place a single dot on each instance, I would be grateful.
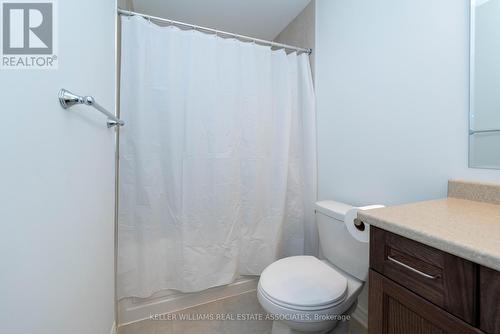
(361, 315)
(132, 310)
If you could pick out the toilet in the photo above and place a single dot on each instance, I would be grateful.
(306, 294)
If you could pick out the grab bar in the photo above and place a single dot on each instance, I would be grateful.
(68, 99)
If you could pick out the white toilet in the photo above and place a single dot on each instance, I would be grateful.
(304, 294)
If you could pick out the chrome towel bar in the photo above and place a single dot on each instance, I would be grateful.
(68, 99)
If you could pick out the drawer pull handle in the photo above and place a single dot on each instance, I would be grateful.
(412, 269)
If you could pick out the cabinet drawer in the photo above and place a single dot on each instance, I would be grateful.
(395, 310)
(443, 279)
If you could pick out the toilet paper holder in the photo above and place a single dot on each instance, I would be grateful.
(358, 223)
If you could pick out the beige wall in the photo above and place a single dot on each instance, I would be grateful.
(126, 4)
(301, 31)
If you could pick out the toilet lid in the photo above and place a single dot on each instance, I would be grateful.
(303, 281)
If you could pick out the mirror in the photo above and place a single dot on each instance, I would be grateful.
(484, 124)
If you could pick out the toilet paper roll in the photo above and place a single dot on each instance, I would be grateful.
(361, 234)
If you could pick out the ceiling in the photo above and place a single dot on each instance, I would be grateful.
(256, 18)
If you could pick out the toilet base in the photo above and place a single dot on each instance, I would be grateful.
(341, 328)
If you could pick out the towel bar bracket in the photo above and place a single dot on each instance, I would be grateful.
(68, 99)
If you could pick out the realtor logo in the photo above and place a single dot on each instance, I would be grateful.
(28, 35)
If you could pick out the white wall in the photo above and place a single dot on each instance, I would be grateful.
(57, 184)
(392, 100)
(392, 97)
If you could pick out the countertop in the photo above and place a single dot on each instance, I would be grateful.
(466, 228)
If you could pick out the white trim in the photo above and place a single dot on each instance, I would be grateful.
(361, 316)
(132, 310)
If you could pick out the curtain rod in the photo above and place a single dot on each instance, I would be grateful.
(217, 32)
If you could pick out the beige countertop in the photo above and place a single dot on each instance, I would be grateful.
(466, 228)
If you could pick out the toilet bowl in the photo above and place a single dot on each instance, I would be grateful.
(305, 294)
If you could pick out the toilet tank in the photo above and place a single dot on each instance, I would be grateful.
(337, 245)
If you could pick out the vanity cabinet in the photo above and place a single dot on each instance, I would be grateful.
(489, 296)
(414, 288)
(394, 309)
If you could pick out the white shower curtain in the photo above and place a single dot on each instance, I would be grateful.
(217, 162)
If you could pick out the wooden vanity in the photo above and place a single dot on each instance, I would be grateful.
(415, 288)
(440, 276)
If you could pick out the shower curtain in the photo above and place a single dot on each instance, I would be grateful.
(217, 159)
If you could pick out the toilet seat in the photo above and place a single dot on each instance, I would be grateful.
(290, 308)
(303, 283)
